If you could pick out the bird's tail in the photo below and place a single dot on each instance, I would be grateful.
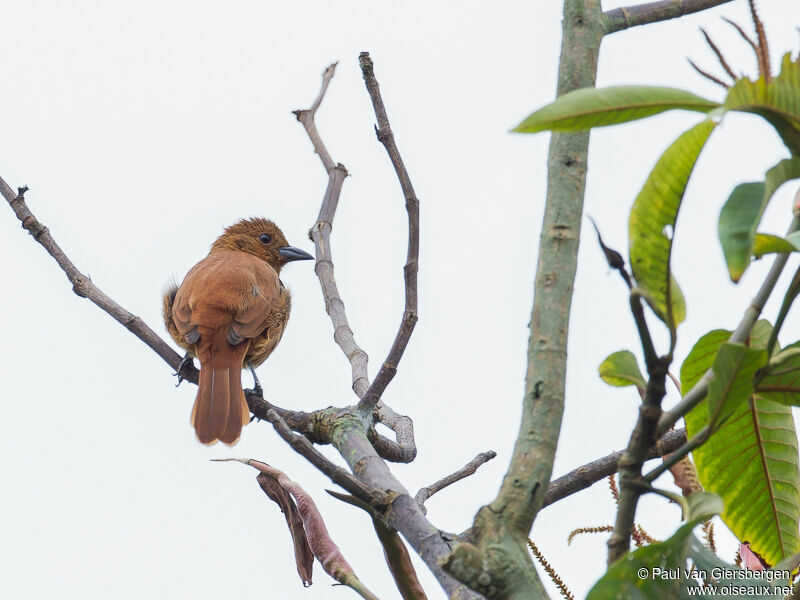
(220, 409)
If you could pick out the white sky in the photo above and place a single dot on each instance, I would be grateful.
(144, 127)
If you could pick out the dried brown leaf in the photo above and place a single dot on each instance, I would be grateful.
(303, 555)
(319, 540)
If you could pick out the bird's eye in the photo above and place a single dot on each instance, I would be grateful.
(265, 238)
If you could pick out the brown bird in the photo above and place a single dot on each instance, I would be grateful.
(230, 311)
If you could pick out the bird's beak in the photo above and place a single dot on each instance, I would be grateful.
(290, 253)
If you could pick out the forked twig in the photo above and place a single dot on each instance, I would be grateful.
(424, 493)
(404, 448)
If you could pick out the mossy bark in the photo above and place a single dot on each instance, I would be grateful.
(497, 563)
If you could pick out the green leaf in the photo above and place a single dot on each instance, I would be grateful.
(775, 177)
(777, 101)
(703, 506)
(736, 227)
(592, 107)
(741, 214)
(751, 461)
(654, 212)
(781, 380)
(658, 570)
(732, 384)
(766, 243)
(724, 575)
(620, 369)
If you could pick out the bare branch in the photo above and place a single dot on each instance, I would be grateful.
(320, 234)
(424, 493)
(404, 448)
(394, 551)
(84, 287)
(306, 117)
(590, 473)
(348, 430)
(384, 132)
(300, 444)
(618, 19)
(630, 464)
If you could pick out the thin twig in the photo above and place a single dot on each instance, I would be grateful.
(707, 75)
(424, 493)
(349, 430)
(723, 63)
(743, 34)
(320, 234)
(404, 449)
(590, 473)
(85, 288)
(675, 381)
(394, 551)
(616, 262)
(613, 257)
(682, 451)
(618, 19)
(642, 438)
(384, 132)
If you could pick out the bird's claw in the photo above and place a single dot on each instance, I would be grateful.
(185, 362)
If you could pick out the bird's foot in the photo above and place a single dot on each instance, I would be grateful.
(186, 362)
(257, 390)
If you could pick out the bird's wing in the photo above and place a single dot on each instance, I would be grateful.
(180, 309)
(258, 304)
(231, 289)
(263, 345)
